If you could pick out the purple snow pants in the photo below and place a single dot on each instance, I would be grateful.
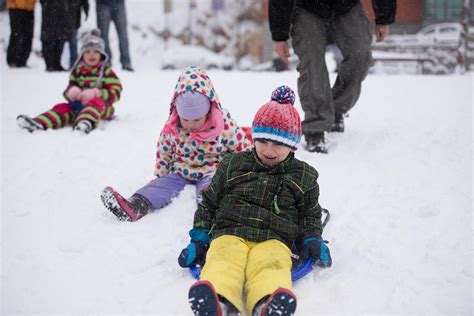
(161, 190)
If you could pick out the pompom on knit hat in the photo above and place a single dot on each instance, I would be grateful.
(192, 105)
(278, 121)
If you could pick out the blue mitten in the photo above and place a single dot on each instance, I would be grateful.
(197, 248)
(318, 250)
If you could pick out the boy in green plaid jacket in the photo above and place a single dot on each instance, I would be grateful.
(258, 205)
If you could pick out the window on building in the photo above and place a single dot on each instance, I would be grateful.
(444, 10)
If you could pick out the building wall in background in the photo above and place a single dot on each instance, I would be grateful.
(444, 10)
(408, 11)
(415, 14)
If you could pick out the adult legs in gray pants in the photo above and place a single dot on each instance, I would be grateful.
(319, 101)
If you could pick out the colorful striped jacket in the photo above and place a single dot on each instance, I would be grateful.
(259, 202)
(86, 77)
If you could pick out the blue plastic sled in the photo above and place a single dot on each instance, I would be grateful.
(296, 273)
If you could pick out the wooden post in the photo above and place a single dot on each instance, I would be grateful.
(462, 48)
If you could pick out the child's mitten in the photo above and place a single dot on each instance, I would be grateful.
(196, 249)
(72, 94)
(318, 250)
(89, 94)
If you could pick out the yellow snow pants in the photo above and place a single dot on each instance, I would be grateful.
(238, 267)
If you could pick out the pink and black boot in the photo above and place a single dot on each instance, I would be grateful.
(131, 209)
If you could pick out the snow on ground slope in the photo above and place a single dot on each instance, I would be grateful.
(398, 183)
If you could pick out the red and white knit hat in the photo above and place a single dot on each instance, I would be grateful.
(278, 121)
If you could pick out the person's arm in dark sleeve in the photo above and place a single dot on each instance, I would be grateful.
(309, 219)
(85, 7)
(205, 214)
(385, 11)
(279, 17)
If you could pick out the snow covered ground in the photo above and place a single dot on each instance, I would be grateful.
(398, 184)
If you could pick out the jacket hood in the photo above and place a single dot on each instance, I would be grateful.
(195, 79)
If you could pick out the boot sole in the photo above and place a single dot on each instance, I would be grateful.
(83, 131)
(317, 149)
(28, 123)
(203, 299)
(281, 302)
(337, 129)
(115, 204)
(83, 127)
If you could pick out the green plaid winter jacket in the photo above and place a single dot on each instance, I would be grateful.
(258, 202)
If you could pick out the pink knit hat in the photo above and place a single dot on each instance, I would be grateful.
(278, 121)
(192, 105)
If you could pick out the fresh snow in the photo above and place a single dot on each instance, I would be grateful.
(398, 184)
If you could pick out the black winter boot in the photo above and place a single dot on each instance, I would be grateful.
(338, 125)
(316, 143)
(130, 210)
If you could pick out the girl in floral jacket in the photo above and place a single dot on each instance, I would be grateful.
(197, 135)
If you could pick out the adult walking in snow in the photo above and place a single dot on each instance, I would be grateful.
(22, 18)
(76, 7)
(56, 28)
(115, 11)
(346, 22)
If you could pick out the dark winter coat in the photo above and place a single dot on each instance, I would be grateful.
(75, 11)
(258, 202)
(56, 21)
(280, 12)
(109, 2)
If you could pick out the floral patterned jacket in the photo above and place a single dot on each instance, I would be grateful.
(180, 153)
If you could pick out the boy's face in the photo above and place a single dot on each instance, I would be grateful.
(271, 153)
(91, 57)
(193, 125)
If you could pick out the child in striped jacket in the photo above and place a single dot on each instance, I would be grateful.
(198, 134)
(91, 93)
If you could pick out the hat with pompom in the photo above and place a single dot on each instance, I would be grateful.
(278, 121)
(93, 40)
